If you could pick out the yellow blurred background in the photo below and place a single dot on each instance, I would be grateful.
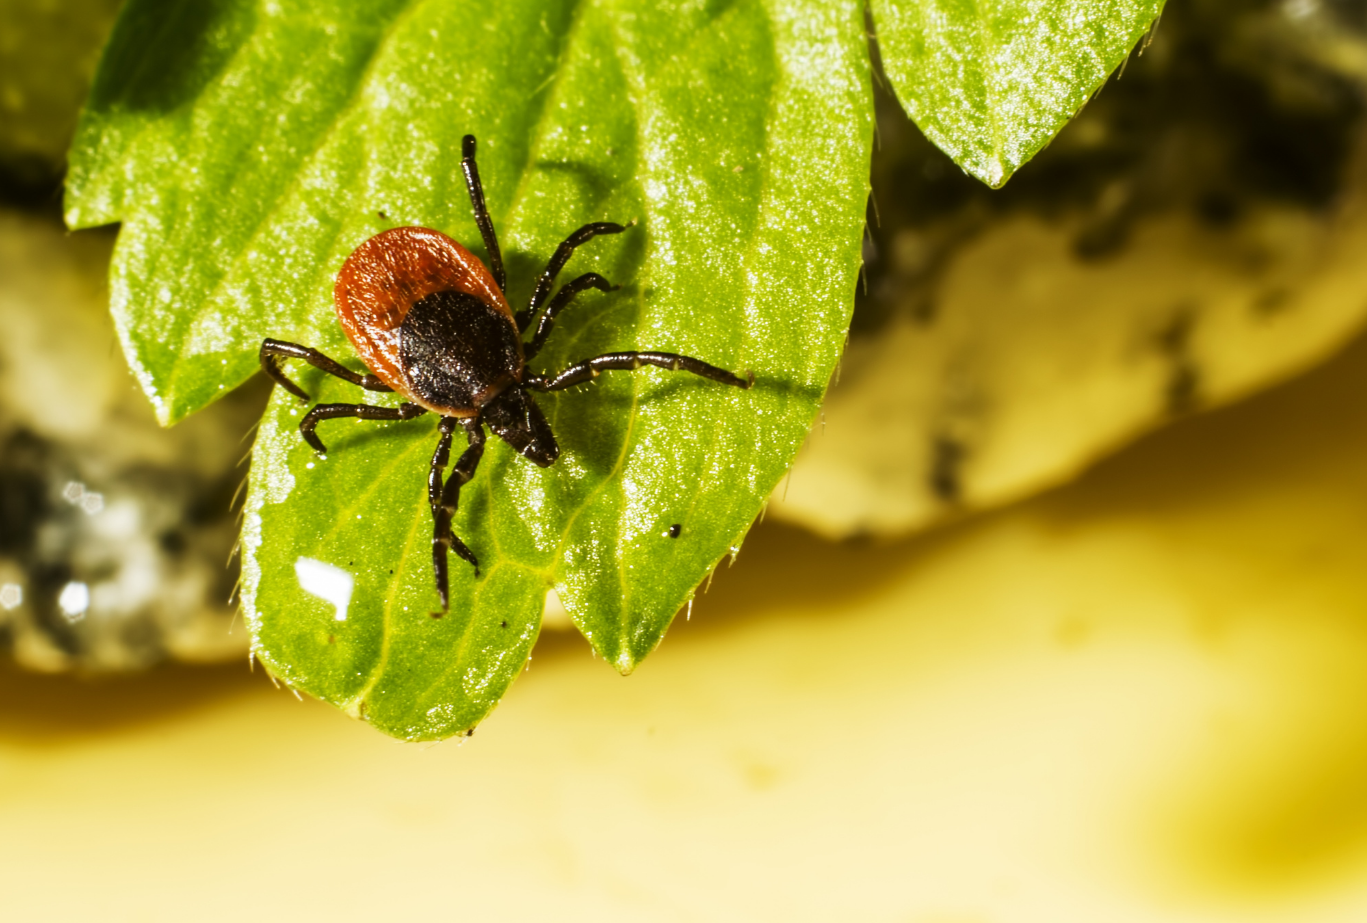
(1140, 697)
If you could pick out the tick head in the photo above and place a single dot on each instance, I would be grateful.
(516, 419)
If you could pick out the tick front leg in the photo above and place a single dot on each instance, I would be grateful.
(272, 351)
(446, 499)
(482, 219)
(590, 369)
(562, 256)
(363, 411)
(560, 302)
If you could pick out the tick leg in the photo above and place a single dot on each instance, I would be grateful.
(445, 500)
(559, 302)
(486, 224)
(272, 351)
(558, 260)
(440, 458)
(589, 369)
(365, 411)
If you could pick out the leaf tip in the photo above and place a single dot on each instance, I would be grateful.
(625, 662)
(992, 171)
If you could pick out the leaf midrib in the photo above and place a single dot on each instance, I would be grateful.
(990, 83)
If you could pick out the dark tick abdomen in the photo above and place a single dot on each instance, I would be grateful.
(458, 352)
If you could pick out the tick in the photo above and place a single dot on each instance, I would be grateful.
(432, 323)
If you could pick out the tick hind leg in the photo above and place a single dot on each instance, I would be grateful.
(590, 369)
(445, 499)
(322, 412)
(272, 351)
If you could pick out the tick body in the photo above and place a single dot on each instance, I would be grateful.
(433, 324)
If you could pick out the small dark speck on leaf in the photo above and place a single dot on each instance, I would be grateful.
(332, 639)
(437, 615)
(503, 624)
(675, 530)
(383, 216)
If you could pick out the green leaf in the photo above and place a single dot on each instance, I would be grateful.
(266, 142)
(990, 82)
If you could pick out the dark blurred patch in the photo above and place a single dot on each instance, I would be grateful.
(1228, 108)
(947, 456)
(24, 459)
(48, 50)
(47, 710)
(1184, 376)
